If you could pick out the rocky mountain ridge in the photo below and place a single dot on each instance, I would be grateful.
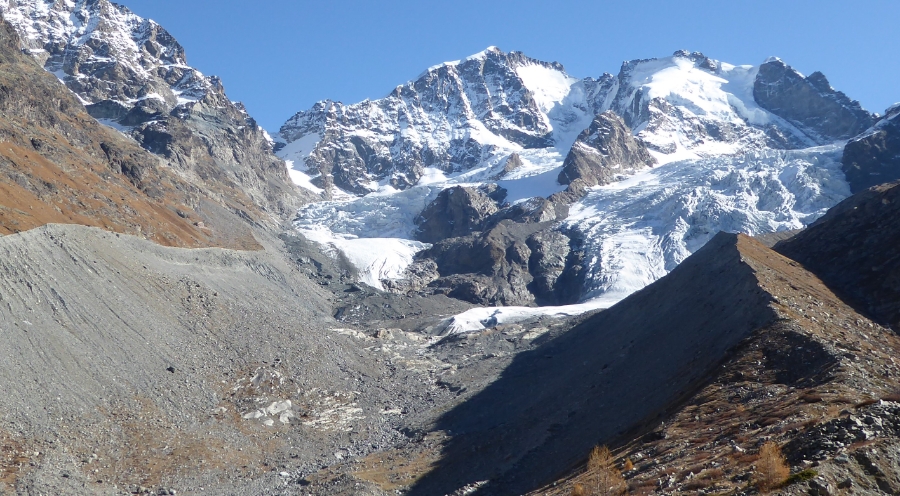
(477, 112)
(131, 74)
(277, 371)
(873, 157)
(57, 164)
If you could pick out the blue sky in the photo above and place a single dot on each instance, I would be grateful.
(281, 56)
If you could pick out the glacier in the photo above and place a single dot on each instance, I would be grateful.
(725, 164)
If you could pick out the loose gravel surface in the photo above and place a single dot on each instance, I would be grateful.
(134, 368)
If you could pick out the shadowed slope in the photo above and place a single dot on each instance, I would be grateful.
(603, 378)
(855, 248)
(804, 381)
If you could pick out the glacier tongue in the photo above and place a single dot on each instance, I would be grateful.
(638, 230)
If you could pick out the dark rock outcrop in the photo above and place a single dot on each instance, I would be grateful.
(490, 256)
(810, 103)
(489, 268)
(874, 157)
(603, 151)
(458, 211)
(512, 163)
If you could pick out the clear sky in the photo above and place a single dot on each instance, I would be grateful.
(281, 56)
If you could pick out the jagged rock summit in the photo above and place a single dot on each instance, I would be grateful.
(810, 103)
(458, 115)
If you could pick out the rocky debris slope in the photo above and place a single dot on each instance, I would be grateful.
(873, 157)
(215, 371)
(854, 249)
(200, 370)
(132, 74)
(810, 103)
(57, 164)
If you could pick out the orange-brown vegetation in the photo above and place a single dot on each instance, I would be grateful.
(59, 165)
(771, 467)
(602, 477)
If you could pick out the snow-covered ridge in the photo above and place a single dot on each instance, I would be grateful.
(474, 113)
(84, 41)
(456, 117)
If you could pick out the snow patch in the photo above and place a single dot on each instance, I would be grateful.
(374, 258)
(477, 319)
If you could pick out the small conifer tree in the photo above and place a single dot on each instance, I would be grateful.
(771, 467)
(603, 478)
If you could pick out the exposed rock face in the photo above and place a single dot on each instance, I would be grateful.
(58, 165)
(512, 163)
(130, 72)
(449, 109)
(510, 257)
(603, 151)
(874, 157)
(855, 248)
(810, 103)
(556, 265)
(458, 211)
(489, 268)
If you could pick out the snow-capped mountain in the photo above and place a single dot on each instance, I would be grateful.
(131, 74)
(476, 112)
(455, 117)
(737, 147)
(84, 41)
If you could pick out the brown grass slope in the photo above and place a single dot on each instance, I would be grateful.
(58, 164)
(808, 380)
(855, 248)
